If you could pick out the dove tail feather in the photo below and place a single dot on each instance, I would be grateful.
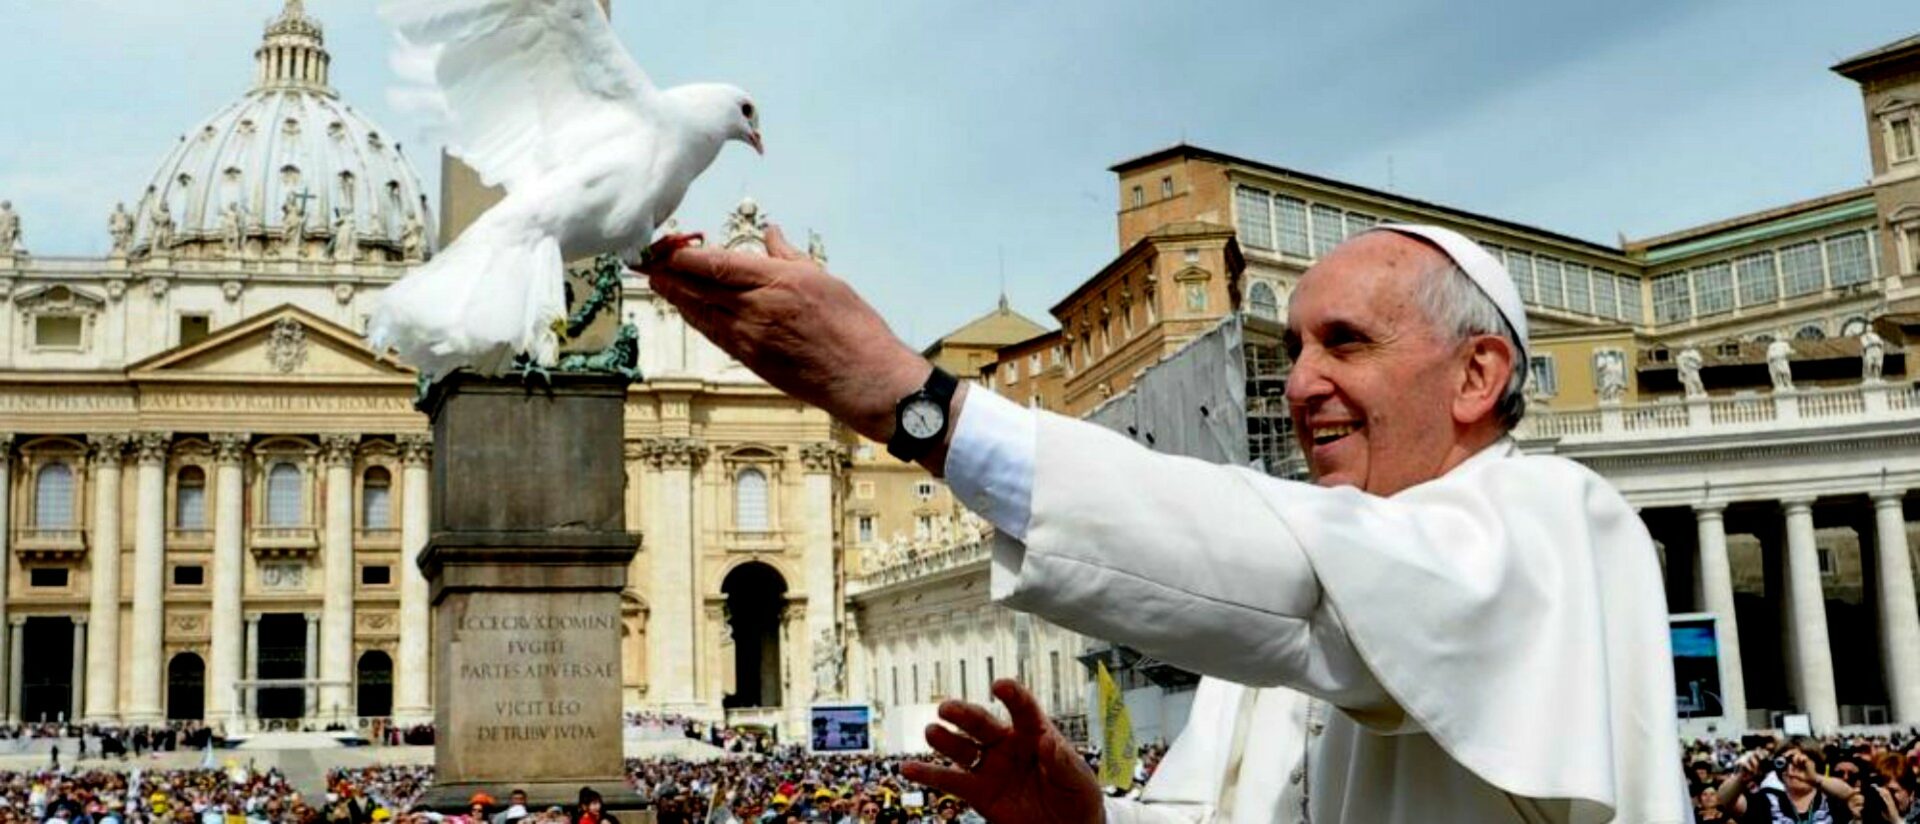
(488, 297)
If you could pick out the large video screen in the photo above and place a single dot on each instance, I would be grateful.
(841, 728)
(1696, 666)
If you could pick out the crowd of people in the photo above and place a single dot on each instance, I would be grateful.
(1832, 780)
(1836, 780)
(139, 796)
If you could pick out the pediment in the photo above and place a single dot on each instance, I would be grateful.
(287, 344)
(1893, 104)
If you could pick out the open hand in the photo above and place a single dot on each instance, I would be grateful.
(796, 326)
(1019, 774)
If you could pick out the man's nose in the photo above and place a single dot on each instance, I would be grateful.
(1307, 380)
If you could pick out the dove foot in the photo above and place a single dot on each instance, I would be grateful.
(529, 368)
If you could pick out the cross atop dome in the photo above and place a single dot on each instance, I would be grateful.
(293, 52)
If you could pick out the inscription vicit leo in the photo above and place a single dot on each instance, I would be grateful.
(523, 663)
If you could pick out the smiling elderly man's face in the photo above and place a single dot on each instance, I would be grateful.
(1381, 397)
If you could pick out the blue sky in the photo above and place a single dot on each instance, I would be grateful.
(925, 140)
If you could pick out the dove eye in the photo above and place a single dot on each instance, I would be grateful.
(746, 110)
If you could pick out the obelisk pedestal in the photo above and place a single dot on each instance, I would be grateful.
(525, 561)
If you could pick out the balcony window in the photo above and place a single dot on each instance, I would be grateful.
(1291, 214)
(1713, 289)
(1800, 268)
(750, 500)
(284, 488)
(1759, 281)
(1672, 300)
(53, 496)
(1261, 301)
(190, 498)
(1847, 259)
(376, 499)
(1254, 209)
(1546, 381)
(1605, 292)
(1329, 229)
(1520, 267)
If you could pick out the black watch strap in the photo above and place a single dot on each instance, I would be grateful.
(939, 388)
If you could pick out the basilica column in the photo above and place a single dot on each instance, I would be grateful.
(1899, 614)
(103, 610)
(822, 462)
(251, 670)
(1811, 656)
(1715, 575)
(149, 575)
(670, 633)
(11, 710)
(16, 656)
(413, 671)
(80, 697)
(229, 579)
(312, 663)
(336, 600)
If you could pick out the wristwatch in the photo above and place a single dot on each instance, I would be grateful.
(920, 418)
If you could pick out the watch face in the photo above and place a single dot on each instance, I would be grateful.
(923, 419)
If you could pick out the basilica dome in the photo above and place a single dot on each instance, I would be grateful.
(288, 171)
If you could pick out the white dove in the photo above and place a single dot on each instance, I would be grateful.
(540, 97)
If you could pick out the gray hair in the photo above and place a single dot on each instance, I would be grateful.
(1456, 305)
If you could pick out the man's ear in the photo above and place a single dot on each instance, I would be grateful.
(1487, 365)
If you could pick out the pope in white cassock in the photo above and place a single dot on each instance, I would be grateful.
(1482, 633)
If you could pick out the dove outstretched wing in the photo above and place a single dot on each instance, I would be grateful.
(528, 83)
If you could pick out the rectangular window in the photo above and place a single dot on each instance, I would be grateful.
(47, 577)
(1826, 561)
(376, 504)
(989, 671)
(865, 523)
(914, 670)
(1713, 289)
(895, 675)
(1671, 302)
(194, 329)
(1546, 277)
(1139, 197)
(57, 331)
(1800, 268)
(190, 502)
(1012, 372)
(939, 683)
(1901, 134)
(1033, 363)
(1579, 292)
(1912, 235)
(1759, 281)
(1545, 379)
(1606, 302)
(1847, 261)
(1520, 266)
(1357, 223)
(923, 490)
(1254, 210)
(963, 681)
(189, 575)
(1290, 214)
(376, 575)
(1632, 309)
(1328, 229)
(923, 527)
(1166, 186)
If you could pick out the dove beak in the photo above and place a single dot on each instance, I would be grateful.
(753, 139)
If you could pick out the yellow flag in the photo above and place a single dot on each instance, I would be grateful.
(1116, 740)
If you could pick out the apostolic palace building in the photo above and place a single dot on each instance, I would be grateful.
(215, 492)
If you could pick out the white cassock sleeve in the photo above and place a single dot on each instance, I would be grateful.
(1469, 608)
